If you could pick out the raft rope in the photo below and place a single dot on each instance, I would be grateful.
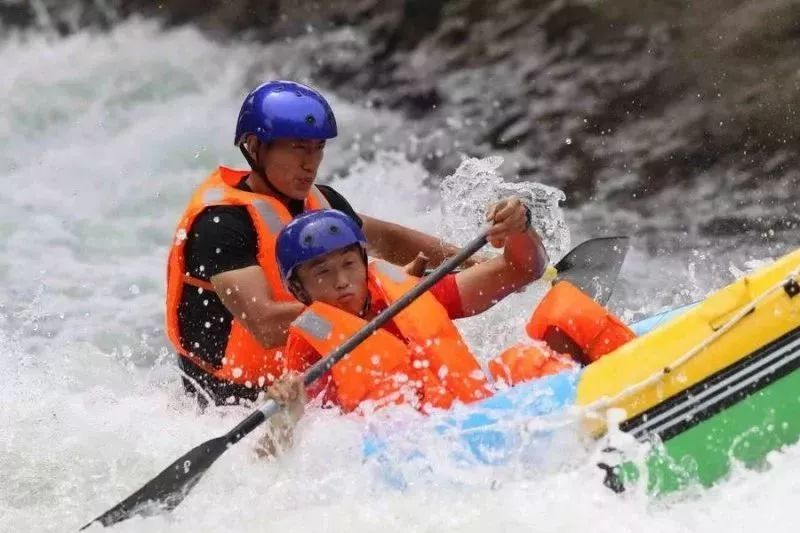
(606, 401)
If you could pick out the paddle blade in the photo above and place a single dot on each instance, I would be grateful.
(593, 266)
(167, 490)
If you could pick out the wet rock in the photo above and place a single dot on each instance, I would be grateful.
(57, 16)
(16, 15)
(416, 101)
(759, 225)
(510, 131)
(563, 16)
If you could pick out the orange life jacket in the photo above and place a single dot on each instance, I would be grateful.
(572, 322)
(567, 328)
(430, 367)
(526, 361)
(246, 362)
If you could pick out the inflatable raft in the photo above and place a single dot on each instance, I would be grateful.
(702, 387)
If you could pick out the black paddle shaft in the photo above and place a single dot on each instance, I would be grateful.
(168, 489)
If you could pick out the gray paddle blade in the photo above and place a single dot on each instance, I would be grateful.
(167, 490)
(593, 266)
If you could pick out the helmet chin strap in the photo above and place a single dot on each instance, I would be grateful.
(368, 301)
(367, 305)
(250, 161)
(260, 172)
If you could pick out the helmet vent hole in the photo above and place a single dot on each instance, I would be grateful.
(308, 239)
(310, 120)
(334, 230)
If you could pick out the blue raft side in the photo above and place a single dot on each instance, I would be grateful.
(478, 430)
(652, 322)
(480, 426)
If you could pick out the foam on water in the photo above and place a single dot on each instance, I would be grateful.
(102, 138)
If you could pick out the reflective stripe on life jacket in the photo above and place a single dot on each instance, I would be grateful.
(430, 367)
(572, 322)
(245, 361)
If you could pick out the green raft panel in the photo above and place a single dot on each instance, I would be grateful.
(739, 414)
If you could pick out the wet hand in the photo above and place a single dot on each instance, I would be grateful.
(507, 217)
(417, 267)
(290, 393)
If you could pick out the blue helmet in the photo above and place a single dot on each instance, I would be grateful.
(314, 234)
(285, 109)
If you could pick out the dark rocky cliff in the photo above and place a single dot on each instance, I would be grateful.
(688, 109)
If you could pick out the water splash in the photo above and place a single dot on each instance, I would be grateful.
(465, 196)
(476, 184)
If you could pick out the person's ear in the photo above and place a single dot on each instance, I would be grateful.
(252, 144)
(299, 292)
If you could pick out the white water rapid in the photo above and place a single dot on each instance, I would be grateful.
(102, 138)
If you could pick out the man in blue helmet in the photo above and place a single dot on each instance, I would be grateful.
(227, 313)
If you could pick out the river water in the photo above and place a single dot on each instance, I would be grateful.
(102, 138)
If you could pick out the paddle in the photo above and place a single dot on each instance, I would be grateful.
(592, 266)
(168, 489)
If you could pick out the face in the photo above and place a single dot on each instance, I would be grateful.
(291, 164)
(338, 279)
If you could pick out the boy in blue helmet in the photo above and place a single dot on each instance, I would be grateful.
(323, 261)
(419, 358)
(224, 296)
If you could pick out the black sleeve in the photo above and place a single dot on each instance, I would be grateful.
(339, 202)
(221, 239)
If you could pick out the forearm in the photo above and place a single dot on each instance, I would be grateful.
(278, 435)
(400, 245)
(289, 392)
(247, 296)
(525, 253)
(270, 323)
(523, 261)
